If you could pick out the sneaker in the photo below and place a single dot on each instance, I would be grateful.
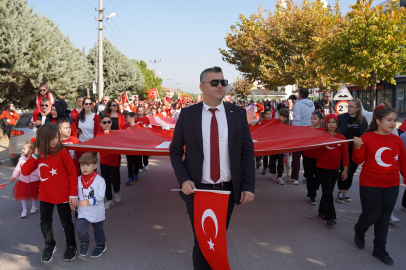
(313, 201)
(359, 239)
(24, 213)
(393, 219)
(83, 248)
(293, 182)
(340, 197)
(346, 197)
(33, 210)
(136, 177)
(263, 171)
(140, 170)
(117, 197)
(331, 222)
(108, 204)
(70, 254)
(130, 181)
(98, 251)
(273, 177)
(146, 168)
(280, 181)
(48, 253)
(380, 253)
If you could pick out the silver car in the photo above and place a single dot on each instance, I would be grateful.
(19, 136)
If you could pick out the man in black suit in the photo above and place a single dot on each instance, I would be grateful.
(219, 150)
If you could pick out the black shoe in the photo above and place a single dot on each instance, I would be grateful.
(83, 248)
(359, 239)
(381, 253)
(48, 253)
(70, 254)
(331, 222)
(320, 215)
(98, 251)
(313, 201)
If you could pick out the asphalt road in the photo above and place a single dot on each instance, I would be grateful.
(150, 229)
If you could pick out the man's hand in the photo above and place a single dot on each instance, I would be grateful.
(187, 187)
(84, 203)
(246, 196)
(38, 123)
(73, 202)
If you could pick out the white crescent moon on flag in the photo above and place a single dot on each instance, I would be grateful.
(210, 213)
(378, 157)
(39, 171)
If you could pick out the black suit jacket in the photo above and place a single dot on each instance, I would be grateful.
(188, 132)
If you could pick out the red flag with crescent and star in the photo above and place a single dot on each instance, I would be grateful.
(169, 99)
(210, 215)
(152, 93)
(185, 98)
(124, 97)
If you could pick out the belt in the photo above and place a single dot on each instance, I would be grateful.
(218, 185)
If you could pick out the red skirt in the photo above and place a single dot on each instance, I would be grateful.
(26, 191)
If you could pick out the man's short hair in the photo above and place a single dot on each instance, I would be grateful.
(88, 158)
(45, 99)
(61, 121)
(267, 110)
(79, 97)
(304, 92)
(284, 112)
(207, 70)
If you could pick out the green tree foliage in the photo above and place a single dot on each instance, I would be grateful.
(119, 73)
(368, 46)
(34, 50)
(279, 48)
(150, 80)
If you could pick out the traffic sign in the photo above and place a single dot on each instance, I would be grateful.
(342, 107)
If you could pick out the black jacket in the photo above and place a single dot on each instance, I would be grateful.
(342, 124)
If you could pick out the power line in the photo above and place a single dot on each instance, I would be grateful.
(81, 8)
(68, 11)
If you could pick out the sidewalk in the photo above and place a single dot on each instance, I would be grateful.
(4, 148)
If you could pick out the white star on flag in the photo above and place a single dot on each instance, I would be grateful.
(211, 244)
(53, 171)
(397, 157)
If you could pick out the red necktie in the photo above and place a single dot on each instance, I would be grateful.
(214, 148)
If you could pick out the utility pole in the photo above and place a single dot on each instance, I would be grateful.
(178, 88)
(170, 85)
(87, 87)
(100, 82)
(155, 62)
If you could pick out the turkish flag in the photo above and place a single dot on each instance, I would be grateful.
(124, 97)
(169, 99)
(210, 215)
(3, 186)
(185, 97)
(152, 93)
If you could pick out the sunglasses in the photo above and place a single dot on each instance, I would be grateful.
(106, 122)
(216, 82)
(42, 90)
(44, 105)
(88, 103)
(114, 105)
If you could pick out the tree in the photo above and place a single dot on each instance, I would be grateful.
(279, 48)
(368, 46)
(242, 87)
(119, 73)
(150, 81)
(34, 50)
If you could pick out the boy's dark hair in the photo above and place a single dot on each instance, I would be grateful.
(262, 114)
(104, 115)
(88, 158)
(304, 92)
(284, 112)
(45, 134)
(293, 98)
(132, 115)
(207, 70)
(60, 121)
(267, 110)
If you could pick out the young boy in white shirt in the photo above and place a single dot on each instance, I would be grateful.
(91, 190)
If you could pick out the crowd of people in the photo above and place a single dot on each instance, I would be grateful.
(73, 177)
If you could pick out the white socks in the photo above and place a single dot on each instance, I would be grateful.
(24, 203)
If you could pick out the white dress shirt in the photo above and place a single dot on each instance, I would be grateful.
(225, 173)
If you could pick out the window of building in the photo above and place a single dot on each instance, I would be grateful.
(400, 98)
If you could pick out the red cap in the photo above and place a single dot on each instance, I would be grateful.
(329, 116)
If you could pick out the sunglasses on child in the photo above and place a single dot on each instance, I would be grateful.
(216, 82)
(42, 90)
(106, 122)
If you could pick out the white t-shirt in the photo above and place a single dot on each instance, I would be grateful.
(87, 128)
(94, 212)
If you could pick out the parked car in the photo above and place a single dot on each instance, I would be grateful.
(19, 136)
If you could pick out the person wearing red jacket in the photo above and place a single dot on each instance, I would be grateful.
(10, 116)
(384, 156)
(75, 112)
(259, 109)
(58, 186)
(310, 162)
(109, 166)
(328, 165)
(117, 119)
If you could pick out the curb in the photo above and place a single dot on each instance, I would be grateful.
(5, 161)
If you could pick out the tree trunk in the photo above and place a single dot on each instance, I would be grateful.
(373, 92)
